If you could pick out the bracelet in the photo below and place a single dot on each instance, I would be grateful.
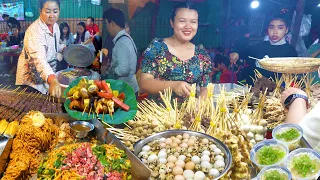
(50, 78)
(293, 97)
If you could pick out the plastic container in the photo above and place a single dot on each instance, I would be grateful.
(292, 144)
(284, 172)
(299, 152)
(266, 143)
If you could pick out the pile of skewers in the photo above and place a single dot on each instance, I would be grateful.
(15, 103)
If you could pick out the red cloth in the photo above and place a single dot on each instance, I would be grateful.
(226, 76)
(93, 29)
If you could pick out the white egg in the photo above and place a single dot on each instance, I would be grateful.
(182, 157)
(180, 163)
(219, 157)
(179, 177)
(163, 140)
(219, 164)
(142, 153)
(163, 160)
(205, 158)
(152, 158)
(144, 161)
(146, 148)
(199, 175)
(214, 172)
(164, 150)
(212, 146)
(252, 141)
(206, 164)
(259, 137)
(172, 158)
(217, 151)
(263, 122)
(188, 174)
(206, 152)
(248, 111)
(162, 154)
(253, 128)
(250, 135)
(260, 130)
(195, 159)
(245, 128)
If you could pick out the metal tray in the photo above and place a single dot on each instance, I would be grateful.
(303, 144)
(138, 170)
(78, 55)
(228, 160)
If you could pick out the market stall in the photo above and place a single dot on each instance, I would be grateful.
(99, 131)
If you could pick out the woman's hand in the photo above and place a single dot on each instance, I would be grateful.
(181, 88)
(54, 88)
(234, 58)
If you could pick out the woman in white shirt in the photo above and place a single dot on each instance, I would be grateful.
(83, 36)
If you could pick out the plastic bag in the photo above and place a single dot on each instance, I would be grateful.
(96, 2)
(304, 31)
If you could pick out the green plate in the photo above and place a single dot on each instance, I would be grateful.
(119, 116)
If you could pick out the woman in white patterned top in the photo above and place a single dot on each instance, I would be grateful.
(38, 60)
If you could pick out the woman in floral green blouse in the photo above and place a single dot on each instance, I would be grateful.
(175, 62)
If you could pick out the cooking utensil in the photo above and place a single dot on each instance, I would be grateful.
(228, 157)
(78, 55)
(81, 133)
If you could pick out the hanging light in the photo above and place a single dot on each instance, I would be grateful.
(255, 4)
(319, 5)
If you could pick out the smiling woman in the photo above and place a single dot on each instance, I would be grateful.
(175, 62)
(38, 60)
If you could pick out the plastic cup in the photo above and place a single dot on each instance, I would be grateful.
(269, 142)
(293, 144)
(295, 154)
(282, 170)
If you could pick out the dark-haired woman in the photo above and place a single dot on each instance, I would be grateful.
(276, 46)
(38, 60)
(175, 62)
(83, 36)
(67, 39)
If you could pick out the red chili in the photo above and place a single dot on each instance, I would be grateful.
(98, 83)
(121, 104)
(105, 95)
(105, 87)
(122, 96)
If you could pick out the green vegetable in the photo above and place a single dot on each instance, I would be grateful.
(304, 165)
(269, 155)
(274, 175)
(288, 135)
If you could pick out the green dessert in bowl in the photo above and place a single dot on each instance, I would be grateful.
(289, 134)
(304, 164)
(274, 173)
(268, 153)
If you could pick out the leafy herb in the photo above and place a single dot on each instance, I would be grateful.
(304, 165)
(274, 175)
(57, 164)
(289, 135)
(269, 155)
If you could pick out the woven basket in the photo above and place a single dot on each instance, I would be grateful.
(290, 65)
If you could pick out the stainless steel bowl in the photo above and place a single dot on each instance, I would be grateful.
(81, 134)
(228, 157)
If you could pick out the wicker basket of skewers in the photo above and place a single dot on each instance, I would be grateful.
(290, 65)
